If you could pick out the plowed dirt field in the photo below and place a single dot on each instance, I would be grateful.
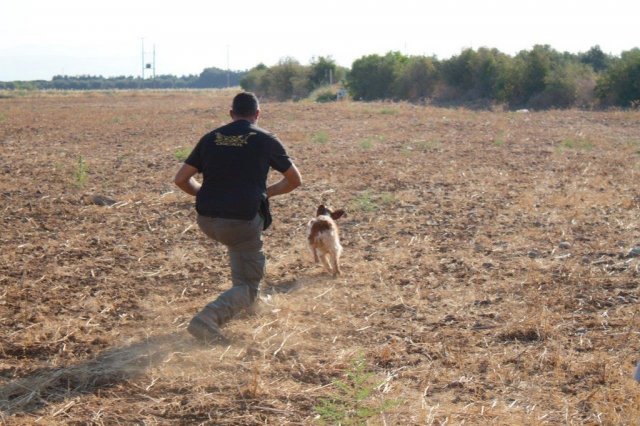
(489, 271)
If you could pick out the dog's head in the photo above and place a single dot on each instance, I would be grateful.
(325, 211)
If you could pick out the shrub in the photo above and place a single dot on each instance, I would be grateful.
(620, 84)
(251, 81)
(287, 80)
(323, 71)
(559, 91)
(527, 75)
(326, 96)
(417, 79)
(372, 77)
(596, 59)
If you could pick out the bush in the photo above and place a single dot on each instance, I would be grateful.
(326, 96)
(372, 77)
(596, 59)
(620, 84)
(417, 79)
(252, 80)
(526, 77)
(560, 91)
(323, 72)
(286, 80)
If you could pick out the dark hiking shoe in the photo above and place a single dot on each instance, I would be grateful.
(205, 332)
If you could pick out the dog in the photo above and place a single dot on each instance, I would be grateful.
(324, 238)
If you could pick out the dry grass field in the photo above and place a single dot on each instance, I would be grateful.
(488, 271)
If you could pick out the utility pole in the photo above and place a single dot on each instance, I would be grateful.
(154, 61)
(145, 66)
(228, 72)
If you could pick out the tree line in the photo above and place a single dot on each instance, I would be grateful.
(208, 78)
(288, 79)
(540, 78)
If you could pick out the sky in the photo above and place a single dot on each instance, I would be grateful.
(43, 38)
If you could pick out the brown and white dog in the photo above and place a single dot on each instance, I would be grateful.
(324, 239)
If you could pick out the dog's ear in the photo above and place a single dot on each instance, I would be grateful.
(338, 214)
(322, 210)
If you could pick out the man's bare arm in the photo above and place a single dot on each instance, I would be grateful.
(291, 180)
(184, 179)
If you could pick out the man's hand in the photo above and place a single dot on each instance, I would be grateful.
(290, 181)
(185, 181)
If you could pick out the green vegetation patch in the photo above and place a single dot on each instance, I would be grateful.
(326, 96)
(182, 153)
(370, 141)
(320, 137)
(352, 401)
(578, 144)
(368, 202)
(499, 140)
(427, 145)
(80, 173)
(634, 143)
(388, 111)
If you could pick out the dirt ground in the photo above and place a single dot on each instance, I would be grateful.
(489, 271)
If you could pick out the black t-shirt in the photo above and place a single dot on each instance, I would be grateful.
(234, 161)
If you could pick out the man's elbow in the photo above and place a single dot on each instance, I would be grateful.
(182, 183)
(295, 182)
(294, 178)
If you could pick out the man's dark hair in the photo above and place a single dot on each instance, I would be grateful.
(245, 104)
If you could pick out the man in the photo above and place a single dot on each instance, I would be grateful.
(232, 204)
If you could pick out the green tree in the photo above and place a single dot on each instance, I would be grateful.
(216, 77)
(596, 58)
(527, 75)
(417, 79)
(323, 71)
(476, 75)
(536, 67)
(620, 84)
(253, 79)
(373, 76)
(488, 73)
(560, 88)
(457, 71)
(286, 80)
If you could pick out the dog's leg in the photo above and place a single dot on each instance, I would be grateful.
(335, 262)
(325, 262)
(314, 253)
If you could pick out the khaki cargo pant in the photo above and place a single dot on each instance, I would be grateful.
(243, 240)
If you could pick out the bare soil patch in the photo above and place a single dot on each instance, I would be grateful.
(488, 276)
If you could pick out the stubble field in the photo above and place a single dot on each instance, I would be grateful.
(489, 271)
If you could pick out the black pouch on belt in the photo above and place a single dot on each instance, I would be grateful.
(265, 213)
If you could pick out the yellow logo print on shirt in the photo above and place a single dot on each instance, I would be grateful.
(232, 140)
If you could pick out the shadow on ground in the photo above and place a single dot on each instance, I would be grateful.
(294, 284)
(51, 385)
(47, 386)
